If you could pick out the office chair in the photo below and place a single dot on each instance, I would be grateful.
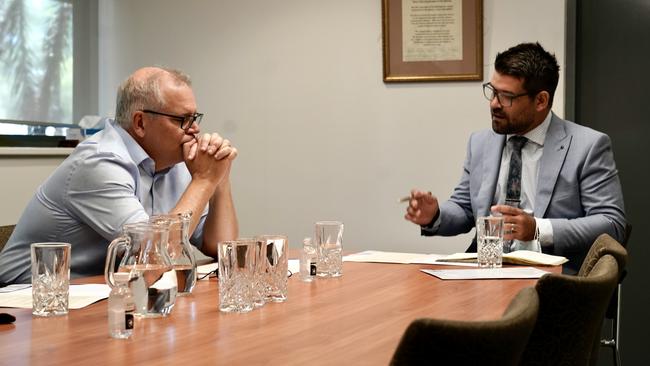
(5, 233)
(605, 244)
(447, 342)
(571, 310)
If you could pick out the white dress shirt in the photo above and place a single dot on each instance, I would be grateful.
(531, 155)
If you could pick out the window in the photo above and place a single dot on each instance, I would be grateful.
(36, 63)
(48, 70)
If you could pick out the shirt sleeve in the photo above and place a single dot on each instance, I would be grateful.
(545, 232)
(101, 192)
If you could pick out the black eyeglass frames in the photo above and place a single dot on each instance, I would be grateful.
(184, 120)
(504, 98)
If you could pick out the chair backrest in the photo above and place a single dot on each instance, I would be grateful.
(5, 233)
(570, 315)
(603, 245)
(447, 342)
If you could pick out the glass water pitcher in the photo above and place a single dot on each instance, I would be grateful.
(180, 250)
(143, 247)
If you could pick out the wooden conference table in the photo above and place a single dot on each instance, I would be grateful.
(356, 319)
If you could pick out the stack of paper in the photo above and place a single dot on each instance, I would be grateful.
(525, 257)
(376, 256)
(486, 273)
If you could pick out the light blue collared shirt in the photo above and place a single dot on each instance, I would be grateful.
(107, 181)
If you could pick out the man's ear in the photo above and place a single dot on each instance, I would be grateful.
(542, 100)
(138, 124)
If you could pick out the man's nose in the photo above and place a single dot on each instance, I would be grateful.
(194, 129)
(494, 103)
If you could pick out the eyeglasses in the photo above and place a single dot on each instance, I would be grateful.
(185, 120)
(504, 98)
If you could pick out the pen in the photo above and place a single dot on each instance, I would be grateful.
(404, 199)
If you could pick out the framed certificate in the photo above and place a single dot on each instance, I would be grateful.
(432, 40)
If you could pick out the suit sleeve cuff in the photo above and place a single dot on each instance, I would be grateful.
(431, 228)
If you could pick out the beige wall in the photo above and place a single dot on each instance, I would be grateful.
(21, 175)
(297, 86)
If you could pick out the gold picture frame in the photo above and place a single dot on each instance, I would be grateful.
(442, 40)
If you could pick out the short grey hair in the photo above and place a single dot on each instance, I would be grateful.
(135, 95)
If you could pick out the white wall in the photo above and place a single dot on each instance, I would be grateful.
(21, 175)
(297, 86)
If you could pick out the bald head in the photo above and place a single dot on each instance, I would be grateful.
(142, 90)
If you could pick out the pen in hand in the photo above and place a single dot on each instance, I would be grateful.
(404, 199)
(410, 197)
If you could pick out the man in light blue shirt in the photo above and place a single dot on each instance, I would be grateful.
(567, 188)
(150, 160)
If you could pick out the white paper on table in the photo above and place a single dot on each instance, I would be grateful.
(294, 265)
(377, 256)
(486, 273)
(435, 259)
(519, 257)
(80, 296)
(206, 268)
(16, 287)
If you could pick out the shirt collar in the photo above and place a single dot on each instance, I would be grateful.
(538, 134)
(137, 153)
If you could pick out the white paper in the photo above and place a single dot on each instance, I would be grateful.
(12, 288)
(435, 259)
(80, 296)
(486, 273)
(294, 266)
(206, 268)
(203, 270)
(377, 256)
(518, 257)
(432, 30)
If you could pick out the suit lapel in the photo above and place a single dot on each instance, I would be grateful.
(491, 163)
(556, 146)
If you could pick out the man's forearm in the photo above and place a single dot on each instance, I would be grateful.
(195, 199)
(221, 223)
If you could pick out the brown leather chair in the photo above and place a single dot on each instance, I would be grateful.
(447, 342)
(5, 233)
(571, 309)
(605, 244)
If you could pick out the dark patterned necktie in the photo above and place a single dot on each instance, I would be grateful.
(513, 188)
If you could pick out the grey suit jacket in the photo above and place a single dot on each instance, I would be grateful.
(578, 189)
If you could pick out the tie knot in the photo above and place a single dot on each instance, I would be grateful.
(518, 142)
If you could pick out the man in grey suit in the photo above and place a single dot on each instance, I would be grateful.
(566, 186)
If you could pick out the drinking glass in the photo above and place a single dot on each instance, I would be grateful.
(259, 283)
(236, 275)
(329, 241)
(50, 278)
(275, 261)
(489, 235)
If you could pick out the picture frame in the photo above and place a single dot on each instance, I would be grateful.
(432, 40)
